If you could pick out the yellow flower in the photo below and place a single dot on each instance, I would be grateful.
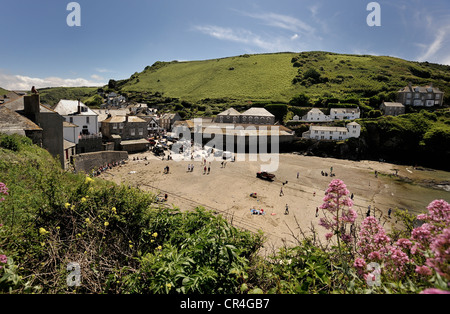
(114, 210)
(106, 224)
(159, 248)
(57, 228)
(67, 205)
(155, 234)
(42, 231)
(88, 221)
(168, 285)
(88, 180)
(131, 246)
(72, 207)
(83, 199)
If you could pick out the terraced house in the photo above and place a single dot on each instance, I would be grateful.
(420, 96)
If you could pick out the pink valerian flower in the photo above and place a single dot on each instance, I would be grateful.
(440, 247)
(404, 243)
(372, 238)
(3, 190)
(434, 291)
(438, 217)
(424, 270)
(3, 260)
(338, 204)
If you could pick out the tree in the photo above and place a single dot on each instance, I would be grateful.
(301, 100)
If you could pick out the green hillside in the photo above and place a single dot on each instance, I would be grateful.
(279, 77)
(3, 91)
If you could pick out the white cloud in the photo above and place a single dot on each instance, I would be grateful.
(267, 43)
(97, 77)
(435, 46)
(102, 70)
(283, 21)
(21, 82)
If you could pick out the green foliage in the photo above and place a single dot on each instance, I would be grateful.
(301, 100)
(278, 110)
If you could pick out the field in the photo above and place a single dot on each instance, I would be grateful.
(279, 77)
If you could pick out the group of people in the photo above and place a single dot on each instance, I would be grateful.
(109, 166)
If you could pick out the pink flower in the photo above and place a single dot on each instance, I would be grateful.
(3, 259)
(339, 206)
(434, 291)
(3, 190)
(423, 270)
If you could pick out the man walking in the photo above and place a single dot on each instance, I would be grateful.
(286, 211)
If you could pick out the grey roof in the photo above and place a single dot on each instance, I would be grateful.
(12, 122)
(70, 107)
(230, 112)
(258, 112)
(393, 104)
(421, 89)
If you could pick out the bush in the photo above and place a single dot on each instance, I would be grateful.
(301, 100)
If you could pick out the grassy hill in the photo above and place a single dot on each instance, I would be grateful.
(281, 76)
(3, 91)
(53, 95)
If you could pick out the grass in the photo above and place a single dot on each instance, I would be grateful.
(269, 77)
(246, 77)
(53, 95)
(3, 91)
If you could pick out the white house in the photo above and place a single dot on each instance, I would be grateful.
(345, 113)
(77, 113)
(352, 130)
(316, 115)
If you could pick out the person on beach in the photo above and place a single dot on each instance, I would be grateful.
(281, 192)
(286, 211)
(317, 211)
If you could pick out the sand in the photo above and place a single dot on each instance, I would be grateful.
(226, 190)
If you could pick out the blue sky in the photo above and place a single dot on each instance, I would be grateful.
(117, 38)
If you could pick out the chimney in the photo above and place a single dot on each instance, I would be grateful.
(79, 107)
(126, 119)
(31, 105)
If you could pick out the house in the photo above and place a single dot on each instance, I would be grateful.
(316, 115)
(317, 132)
(392, 108)
(76, 112)
(167, 120)
(128, 133)
(228, 116)
(345, 114)
(25, 115)
(420, 96)
(88, 138)
(258, 116)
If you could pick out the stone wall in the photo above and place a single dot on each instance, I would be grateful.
(87, 162)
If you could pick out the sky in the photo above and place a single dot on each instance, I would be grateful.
(117, 38)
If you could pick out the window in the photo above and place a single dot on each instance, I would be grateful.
(114, 126)
(120, 125)
(408, 95)
(71, 120)
(133, 132)
(438, 96)
(87, 120)
(141, 131)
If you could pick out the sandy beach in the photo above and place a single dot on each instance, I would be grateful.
(226, 190)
